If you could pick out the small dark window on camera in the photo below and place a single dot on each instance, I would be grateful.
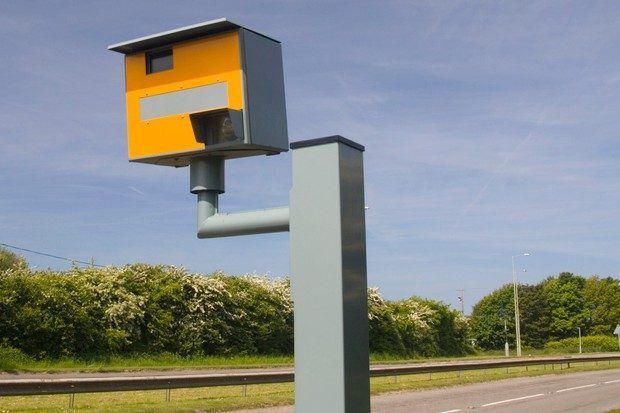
(158, 61)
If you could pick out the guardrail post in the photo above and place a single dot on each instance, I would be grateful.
(167, 395)
(71, 400)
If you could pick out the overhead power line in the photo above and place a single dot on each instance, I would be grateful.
(71, 260)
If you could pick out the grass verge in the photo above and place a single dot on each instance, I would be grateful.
(236, 397)
(151, 362)
(167, 361)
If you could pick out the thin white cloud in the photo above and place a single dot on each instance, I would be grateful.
(489, 128)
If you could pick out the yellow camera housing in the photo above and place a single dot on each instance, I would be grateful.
(211, 89)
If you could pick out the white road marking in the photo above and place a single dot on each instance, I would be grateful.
(576, 388)
(612, 381)
(513, 400)
(451, 411)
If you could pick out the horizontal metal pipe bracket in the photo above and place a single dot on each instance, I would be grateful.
(207, 182)
(245, 223)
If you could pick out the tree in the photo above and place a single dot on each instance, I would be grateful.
(535, 315)
(551, 310)
(565, 295)
(488, 316)
(602, 297)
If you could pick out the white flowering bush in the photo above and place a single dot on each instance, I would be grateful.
(140, 308)
(11, 261)
(206, 323)
(415, 327)
(47, 314)
(264, 314)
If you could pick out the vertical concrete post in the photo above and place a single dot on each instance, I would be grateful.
(328, 276)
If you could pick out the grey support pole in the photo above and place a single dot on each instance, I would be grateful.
(328, 266)
(328, 276)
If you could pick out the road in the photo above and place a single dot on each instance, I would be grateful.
(597, 391)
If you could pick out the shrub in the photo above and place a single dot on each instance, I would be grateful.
(11, 261)
(589, 344)
(89, 313)
(11, 358)
(384, 336)
(415, 327)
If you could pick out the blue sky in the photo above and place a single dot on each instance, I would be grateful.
(491, 128)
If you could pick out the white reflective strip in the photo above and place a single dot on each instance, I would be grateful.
(513, 400)
(576, 388)
(196, 99)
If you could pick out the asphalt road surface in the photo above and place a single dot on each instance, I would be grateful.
(597, 391)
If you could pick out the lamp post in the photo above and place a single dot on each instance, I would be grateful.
(516, 299)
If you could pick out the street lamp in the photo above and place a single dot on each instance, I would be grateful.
(516, 298)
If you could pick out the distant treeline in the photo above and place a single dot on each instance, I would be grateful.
(550, 311)
(96, 312)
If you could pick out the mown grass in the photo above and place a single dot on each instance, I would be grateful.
(214, 399)
(168, 361)
(149, 362)
(210, 399)
(171, 362)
